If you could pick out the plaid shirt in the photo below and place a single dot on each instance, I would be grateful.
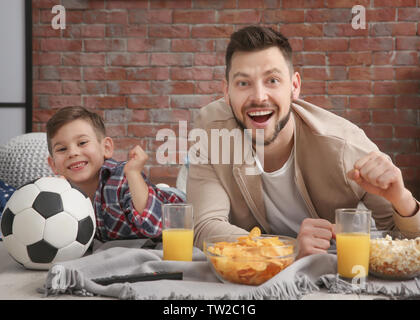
(116, 217)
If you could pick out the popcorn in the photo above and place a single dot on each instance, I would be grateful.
(395, 258)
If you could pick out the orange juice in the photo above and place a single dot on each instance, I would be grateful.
(353, 254)
(177, 244)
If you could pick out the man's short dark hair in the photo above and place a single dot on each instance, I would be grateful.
(69, 114)
(255, 38)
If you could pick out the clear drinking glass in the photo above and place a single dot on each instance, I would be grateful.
(353, 242)
(177, 231)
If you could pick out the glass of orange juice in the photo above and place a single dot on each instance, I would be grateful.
(353, 242)
(177, 231)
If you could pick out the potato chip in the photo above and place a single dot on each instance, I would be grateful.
(251, 259)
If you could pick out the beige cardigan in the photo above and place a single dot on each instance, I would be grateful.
(226, 200)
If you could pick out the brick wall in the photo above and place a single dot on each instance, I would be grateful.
(146, 64)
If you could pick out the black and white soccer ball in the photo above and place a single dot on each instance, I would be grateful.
(47, 221)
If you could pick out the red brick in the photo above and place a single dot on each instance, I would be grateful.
(346, 3)
(323, 44)
(171, 59)
(73, 87)
(386, 15)
(380, 102)
(149, 102)
(104, 17)
(127, 4)
(108, 102)
(396, 58)
(408, 101)
(45, 31)
(371, 44)
(100, 45)
(313, 87)
(349, 87)
(191, 101)
(194, 16)
(47, 87)
(128, 59)
(408, 160)
(84, 59)
(140, 116)
(65, 101)
(408, 43)
(61, 45)
(150, 16)
(327, 15)
(328, 102)
(170, 4)
(407, 131)
(349, 58)
(175, 31)
(400, 87)
(144, 130)
(192, 45)
(173, 87)
(211, 31)
(396, 145)
(300, 4)
(155, 73)
(302, 30)
(170, 115)
(214, 4)
(343, 30)
(193, 73)
(120, 31)
(47, 4)
(128, 87)
(369, 73)
(54, 73)
(148, 45)
(209, 59)
(407, 73)
(377, 131)
(332, 73)
(209, 87)
(401, 117)
(239, 16)
(409, 14)
(393, 29)
(357, 116)
(104, 74)
(278, 16)
(395, 3)
(116, 130)
(47, 59)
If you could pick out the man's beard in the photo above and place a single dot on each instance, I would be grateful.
(279, 125)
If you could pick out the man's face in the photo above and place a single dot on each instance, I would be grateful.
(260, 91)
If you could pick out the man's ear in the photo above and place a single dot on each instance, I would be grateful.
(52, 165)
(296, 82)
(108, 145)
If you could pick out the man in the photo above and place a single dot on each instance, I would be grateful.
(313, 161)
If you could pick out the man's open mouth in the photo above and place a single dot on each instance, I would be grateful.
(260, 116)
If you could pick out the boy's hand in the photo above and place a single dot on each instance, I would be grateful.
(136, 160)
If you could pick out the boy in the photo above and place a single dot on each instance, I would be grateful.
(127, 205)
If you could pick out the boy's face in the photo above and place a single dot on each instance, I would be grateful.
(77, 154)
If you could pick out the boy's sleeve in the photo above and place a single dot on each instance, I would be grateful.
(149, 222)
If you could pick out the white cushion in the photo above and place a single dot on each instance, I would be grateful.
(24, 159)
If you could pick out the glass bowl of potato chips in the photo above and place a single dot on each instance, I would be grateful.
(249, 259)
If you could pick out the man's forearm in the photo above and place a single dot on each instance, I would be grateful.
(406, 205)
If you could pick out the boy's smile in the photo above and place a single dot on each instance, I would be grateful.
(78, 154)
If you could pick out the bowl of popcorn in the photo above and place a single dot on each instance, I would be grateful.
(394, 256)
(249, 259)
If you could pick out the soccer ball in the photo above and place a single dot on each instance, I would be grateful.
(47, 221)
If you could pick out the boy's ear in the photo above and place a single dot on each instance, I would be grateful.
(108, 144)
(52, 165)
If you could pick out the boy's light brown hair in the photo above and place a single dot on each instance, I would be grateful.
(69, 114)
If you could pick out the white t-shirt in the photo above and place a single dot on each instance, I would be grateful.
(284, 205)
